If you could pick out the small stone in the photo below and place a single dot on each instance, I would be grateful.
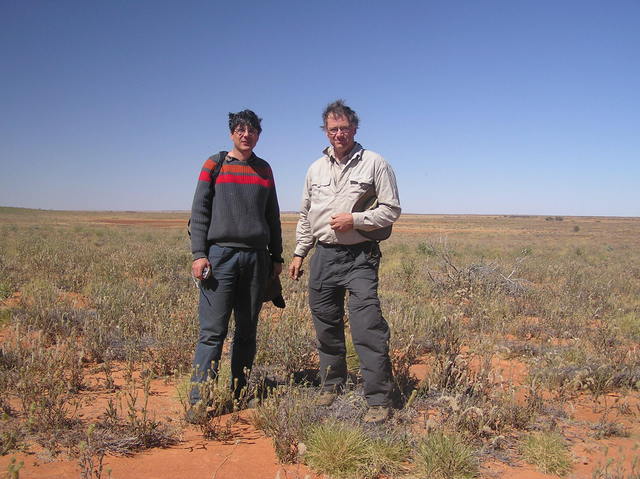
(302, 449)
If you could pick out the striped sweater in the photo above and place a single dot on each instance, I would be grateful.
(243, 212)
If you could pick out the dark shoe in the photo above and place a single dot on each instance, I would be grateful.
(325, 398)
(377, 414)
(196, 414)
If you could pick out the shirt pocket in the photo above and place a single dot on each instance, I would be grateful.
(359, 185)
(320, 190)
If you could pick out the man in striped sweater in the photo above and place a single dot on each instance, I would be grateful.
(236, 242)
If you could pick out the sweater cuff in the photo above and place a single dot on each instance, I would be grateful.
(277, 258)
(198, 255)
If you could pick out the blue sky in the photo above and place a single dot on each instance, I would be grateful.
(488, 107)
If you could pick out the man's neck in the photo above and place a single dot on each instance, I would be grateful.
(343, 155)
(239, 155)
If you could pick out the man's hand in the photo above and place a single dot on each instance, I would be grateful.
(295, 266)
(342, 222)
(277, 269)
(197, 267)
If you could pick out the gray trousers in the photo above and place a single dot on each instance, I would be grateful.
(336, 269)
(237, 282)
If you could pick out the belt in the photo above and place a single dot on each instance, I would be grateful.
(364, 244)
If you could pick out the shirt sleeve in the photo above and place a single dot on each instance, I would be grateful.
(304, 237)
(388, 209)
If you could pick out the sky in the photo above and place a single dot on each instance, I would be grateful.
(480, 107)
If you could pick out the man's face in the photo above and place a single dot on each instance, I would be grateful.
(340, 133)
(245, 138)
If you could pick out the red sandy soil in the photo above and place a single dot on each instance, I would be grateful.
(584, 412)
(249, 454)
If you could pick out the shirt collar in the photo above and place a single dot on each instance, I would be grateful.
(229, 158)
(355, 151)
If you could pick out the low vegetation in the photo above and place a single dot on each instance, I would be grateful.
(509, 318)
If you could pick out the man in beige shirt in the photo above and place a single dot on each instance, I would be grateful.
(346, 259)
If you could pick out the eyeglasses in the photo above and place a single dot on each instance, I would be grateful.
(243, 130)
(334, 131)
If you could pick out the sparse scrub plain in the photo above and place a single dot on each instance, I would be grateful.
(501, 327)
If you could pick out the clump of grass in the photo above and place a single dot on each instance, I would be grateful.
(342, 450)
(445, 456)
(548, 452)
(337, 450)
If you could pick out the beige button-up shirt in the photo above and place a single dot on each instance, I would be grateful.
(330, 189)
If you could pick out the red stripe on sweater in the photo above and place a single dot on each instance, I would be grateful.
(246, 180)
(205, 176)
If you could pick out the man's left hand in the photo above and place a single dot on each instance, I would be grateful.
(342, 222)
(277, 269)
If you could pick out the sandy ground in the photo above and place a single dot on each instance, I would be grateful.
(249, 454)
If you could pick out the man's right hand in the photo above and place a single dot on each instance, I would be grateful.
(198, 266)
(295, 266)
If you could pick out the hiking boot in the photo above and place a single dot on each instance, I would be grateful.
(196, 414)
(376, 414)
(325, 398)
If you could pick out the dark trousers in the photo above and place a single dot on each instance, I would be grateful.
(335, 270)
(236, 284)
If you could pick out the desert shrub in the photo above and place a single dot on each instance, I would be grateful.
(617, 469)
(470, 403)
(628, 323)
(587, 370)
(44, 380)
(174, 341)
(5, 289)
(286, 340)
(129, 427)
(12, 435)
(427, 249)
(5, 317)
(285, 416)
(604, 429)
(13, 469)
(445, 456)
(449, 371)
(548, 452)
(90, 453)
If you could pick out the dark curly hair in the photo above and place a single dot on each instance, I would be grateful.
(338, 108)
(244, 118)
